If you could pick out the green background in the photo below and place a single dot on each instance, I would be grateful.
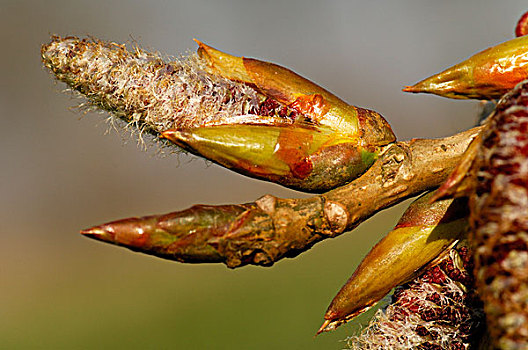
(60, 173)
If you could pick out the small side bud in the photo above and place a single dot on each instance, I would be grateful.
(461, 181)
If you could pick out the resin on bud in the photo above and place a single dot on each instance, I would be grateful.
(300, 157)
(284, 128)
(424, 232)
(315, 104)
(486, 75)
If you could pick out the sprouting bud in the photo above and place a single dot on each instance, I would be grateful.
(487, 75)
(278, 126)
(437, 310)
(143, 89)
(424, 232)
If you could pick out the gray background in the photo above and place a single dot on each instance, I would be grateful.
(61, 173)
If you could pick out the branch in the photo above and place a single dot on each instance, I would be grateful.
(272, 228)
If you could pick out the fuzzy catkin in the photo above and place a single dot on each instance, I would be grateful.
(143, 89)
(499, 221)
(437, 310)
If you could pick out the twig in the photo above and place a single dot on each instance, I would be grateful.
(271, 228)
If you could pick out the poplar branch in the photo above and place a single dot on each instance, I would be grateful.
(405, 169)
(272, 228)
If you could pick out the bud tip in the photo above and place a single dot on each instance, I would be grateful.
(97, 233)
(325, 327)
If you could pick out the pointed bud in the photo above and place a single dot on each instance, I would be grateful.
(186, 236)
(305, 158)
(258, 233)
(487, 75)
(424, 233)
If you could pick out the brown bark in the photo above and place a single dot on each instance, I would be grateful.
(404, 170)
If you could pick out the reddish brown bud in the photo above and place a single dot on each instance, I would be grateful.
(283, 127)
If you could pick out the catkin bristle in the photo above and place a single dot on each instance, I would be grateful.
(145, 90)
(499, 221)
(435, 311)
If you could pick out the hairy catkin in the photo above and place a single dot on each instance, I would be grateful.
(437, 310)
(143, 89)
(499, 221)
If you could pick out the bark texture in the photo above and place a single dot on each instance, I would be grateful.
(271, 228)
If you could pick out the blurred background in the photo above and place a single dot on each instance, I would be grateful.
(61, 171)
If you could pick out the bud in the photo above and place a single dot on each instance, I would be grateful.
(522, 25)
(300, 157)
(279, 126)
(316, 104)
(185, 236)
(424, 232)
(258, 233)
(461, 182)
(487, 75)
